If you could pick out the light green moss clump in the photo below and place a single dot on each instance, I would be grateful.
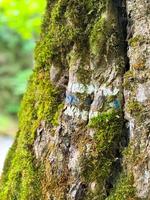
(108, 126)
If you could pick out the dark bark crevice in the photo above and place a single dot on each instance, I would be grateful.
(117, 167)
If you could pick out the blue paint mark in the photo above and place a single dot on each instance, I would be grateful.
(70, 99)
(116, 104)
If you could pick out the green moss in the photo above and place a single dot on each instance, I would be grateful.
(108, 126)
(134, 107)
(57, 38)
(99, 165)
(124, 189)
(129, 78)
(135, 41)
(40, 103)
(55, 120)
(20, 174)
(105, 40)
(83, 75)
(130, 154)
(111, 98)
(98, 36)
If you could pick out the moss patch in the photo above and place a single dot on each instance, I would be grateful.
(21, 172)
(135, 41)
(124, 189)
(134, 107)
(55, 120)
(98, 166)
(129, 79)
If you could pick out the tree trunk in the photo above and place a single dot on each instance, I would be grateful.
(84, 120)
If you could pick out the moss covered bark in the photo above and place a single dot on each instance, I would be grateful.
(83, 38)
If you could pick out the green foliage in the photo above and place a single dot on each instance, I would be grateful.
(4, 121)
(19, 26)
(19, 82)
(17, 20)
(15, 68)
(22, 16)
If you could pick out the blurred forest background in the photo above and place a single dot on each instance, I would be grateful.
(19, 29)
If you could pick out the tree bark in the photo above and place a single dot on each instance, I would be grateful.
(81, 130)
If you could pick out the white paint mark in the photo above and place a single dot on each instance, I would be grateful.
(75, 112)
(81, 88)
(89, 89)
(109, 92)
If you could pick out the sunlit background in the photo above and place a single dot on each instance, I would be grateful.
(19, 29)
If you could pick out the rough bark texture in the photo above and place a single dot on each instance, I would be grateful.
(137, 95)
(84, 122)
